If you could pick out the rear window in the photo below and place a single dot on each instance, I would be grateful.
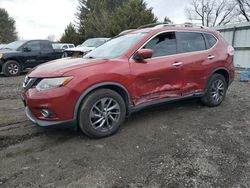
(64, 47)
(190, 42)
(211, 40)
(45, 46)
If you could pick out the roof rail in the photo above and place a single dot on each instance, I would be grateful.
(163, 24)
(151, 25)
(126, 32)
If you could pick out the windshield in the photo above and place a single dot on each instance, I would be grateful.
(116, 47)
(93, 43)
(14, 45)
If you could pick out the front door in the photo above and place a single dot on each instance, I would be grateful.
(31, 54)
(160, 76)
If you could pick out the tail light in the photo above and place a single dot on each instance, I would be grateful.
(230, 50)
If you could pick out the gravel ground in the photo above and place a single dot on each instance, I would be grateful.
(181, 144)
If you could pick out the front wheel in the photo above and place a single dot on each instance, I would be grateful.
(102, 113)
(216, 91)
(11, 68)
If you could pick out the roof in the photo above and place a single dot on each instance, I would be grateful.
(155, 28)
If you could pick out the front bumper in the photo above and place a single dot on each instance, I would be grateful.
(43, 123)
(59, 101)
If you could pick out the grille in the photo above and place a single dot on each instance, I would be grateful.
(30, 82)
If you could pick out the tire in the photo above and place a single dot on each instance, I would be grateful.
(64, 55)
(215, 91)
(11, 68)
(101, 113)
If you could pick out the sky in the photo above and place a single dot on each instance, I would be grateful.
(37, 19)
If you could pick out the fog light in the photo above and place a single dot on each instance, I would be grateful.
(46, 113)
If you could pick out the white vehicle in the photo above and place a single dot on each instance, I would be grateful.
(85, 47)
(63, 46)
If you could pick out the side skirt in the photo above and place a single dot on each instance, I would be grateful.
(133, 109)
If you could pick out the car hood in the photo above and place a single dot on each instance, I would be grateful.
(7, 51)
(62, 66)
(80, 49)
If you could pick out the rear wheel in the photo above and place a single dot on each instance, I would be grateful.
(216, 91)
(102, 113)
(11, 68)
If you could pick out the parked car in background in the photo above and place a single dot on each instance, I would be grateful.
(20, 55)
(85, 47)
(2, 46)
(138, 69)
(62, 46)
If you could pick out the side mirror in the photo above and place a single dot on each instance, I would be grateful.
(26, 49)
(143, 54)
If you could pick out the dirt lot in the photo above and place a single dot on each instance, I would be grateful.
(177, 145)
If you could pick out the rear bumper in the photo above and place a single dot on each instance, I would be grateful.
(43, 123)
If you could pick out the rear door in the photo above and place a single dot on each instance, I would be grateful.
(160, 76)
(193, 55)
(47, 52)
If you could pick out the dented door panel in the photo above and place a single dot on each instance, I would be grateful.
(156, 78)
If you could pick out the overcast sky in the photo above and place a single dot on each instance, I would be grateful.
(36, 19)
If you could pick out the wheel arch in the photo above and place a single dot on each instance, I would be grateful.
(222, 71)
(14, 59)
(120, 89)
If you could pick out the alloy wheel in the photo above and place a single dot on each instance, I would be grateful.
(104, 114)
(13, 69)
(218, 91)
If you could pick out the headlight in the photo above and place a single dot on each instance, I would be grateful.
(1, 55)
(50, 83)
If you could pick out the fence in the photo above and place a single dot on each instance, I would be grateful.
(238, 35)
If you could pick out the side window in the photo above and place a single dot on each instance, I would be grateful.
(45, 46)
(33, 46)
(64, 47)
(162, 45)
(71, 46)
(190, 42)
(211, 40)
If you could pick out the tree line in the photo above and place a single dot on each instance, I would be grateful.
(107, 18)
(7, 27)
(211, 13)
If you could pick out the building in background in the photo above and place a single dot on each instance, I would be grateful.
(238, 35)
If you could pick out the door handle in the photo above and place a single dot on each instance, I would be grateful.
(177, 64)
(211, 57)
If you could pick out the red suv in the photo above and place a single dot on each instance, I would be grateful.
(132, 71)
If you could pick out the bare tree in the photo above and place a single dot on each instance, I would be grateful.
(244, 8)
(211, 12)
(51, 38)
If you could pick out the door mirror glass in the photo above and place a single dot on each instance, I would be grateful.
(143, 54)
